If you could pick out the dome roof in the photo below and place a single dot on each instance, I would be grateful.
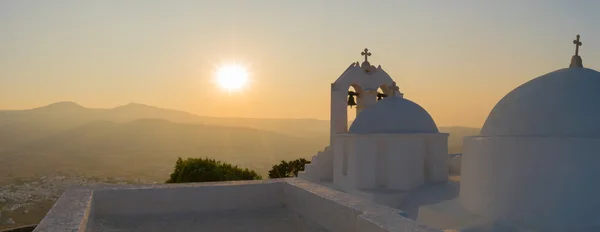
(565, 102)
(393, 115)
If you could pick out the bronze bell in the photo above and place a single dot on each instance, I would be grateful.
(351, 101)
(381, 96)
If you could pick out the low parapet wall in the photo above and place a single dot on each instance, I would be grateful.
(70, 213)
(333, 210)
(173, 198)
(338, 211)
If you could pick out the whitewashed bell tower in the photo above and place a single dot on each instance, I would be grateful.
(392, 147)
(366, 79)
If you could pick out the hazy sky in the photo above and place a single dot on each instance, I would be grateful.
(455, 58)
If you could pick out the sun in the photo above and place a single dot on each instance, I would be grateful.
(232, 77)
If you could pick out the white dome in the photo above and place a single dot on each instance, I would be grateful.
(565, 102)
(393, 115)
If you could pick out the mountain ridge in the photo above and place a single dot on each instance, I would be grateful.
(23, 125)
(142, 105)
(131, 105)
(138, 139)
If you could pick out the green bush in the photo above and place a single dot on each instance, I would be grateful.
(208, 170)
(288, 169)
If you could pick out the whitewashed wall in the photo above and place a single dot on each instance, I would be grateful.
(549, 181)
(398, 161)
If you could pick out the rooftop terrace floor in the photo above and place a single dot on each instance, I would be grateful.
(264, 220)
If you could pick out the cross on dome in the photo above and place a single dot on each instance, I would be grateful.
(365, 64)
(366, 54)
(577, 44)
(576, 61)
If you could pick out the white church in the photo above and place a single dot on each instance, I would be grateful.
(532, 168)
(392, 146)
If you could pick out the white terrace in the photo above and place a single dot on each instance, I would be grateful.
(270, 205)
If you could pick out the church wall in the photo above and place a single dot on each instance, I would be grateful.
(417, 160)
(366, 159)
(393, 161)
(436, 158)
(405, 162)
(326, 165)
(339, 113)
(338, 156)
(382, 163)
(502, 178)
(345, 165)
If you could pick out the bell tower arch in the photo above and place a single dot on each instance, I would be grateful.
(365, 79)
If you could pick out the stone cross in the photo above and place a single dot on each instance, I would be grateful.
(394, 88)
(366, 53)
(577, 44)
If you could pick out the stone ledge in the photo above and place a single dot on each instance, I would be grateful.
(69, 213)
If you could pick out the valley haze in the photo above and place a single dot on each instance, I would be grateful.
(136, 139)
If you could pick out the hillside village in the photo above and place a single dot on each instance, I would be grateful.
(22, 200)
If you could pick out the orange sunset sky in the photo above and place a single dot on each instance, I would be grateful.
(454, 58)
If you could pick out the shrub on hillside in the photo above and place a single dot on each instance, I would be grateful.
(288, 169)
(208, 170)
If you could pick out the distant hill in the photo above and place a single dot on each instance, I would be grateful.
(148, 148)
(457, 133)
(68, 114)
(137, 138)
(158, 137)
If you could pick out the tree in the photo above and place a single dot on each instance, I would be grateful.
(208, 170)
(288, 169)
